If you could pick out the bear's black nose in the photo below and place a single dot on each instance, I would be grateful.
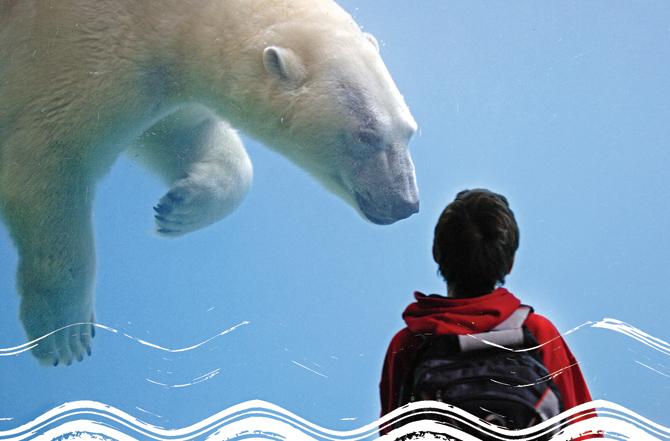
(405, 210)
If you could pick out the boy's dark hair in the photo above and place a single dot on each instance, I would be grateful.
(475, 240)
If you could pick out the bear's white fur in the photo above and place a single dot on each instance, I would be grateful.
(83, 80)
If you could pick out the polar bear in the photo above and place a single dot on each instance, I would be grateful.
(81, 81)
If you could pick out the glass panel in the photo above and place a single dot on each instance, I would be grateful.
(293, 298)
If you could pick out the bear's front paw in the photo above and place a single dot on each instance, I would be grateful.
(59, 335)
(191, 205)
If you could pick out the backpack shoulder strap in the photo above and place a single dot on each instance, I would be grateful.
(515, 320)
(507, 334)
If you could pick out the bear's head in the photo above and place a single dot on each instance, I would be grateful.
(323, 97)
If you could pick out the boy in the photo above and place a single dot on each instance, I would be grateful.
(475, 240)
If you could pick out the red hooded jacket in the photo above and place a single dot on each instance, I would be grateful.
(441, 315)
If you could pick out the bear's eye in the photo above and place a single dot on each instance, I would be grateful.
(369, 138)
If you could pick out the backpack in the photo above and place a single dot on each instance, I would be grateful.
(510, 389)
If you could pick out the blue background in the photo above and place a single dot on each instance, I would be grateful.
(561, 106)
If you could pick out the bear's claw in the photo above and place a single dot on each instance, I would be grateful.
(162, 209)
(67, 344)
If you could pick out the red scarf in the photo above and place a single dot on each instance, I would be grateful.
(443, 315)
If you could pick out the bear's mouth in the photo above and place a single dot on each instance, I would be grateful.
(391, 212)
(375, 205)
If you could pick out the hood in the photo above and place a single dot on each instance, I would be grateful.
(442, 315)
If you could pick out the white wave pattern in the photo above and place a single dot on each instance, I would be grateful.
(260, 420)
(200, 379)
(633, 332)
(15, 350)
(606, 323)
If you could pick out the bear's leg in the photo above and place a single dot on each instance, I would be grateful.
(47, 207)
(203, 160)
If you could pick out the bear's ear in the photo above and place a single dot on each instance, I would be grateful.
(283, 64)
(371, 38)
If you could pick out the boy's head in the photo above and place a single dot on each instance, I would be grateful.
(475, 241)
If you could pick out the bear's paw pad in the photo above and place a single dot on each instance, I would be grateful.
(188, 207)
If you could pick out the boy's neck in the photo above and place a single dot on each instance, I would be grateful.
(452, 293)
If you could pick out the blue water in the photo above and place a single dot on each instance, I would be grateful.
(561, 106)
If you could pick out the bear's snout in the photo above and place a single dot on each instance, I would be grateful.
(384, 186)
